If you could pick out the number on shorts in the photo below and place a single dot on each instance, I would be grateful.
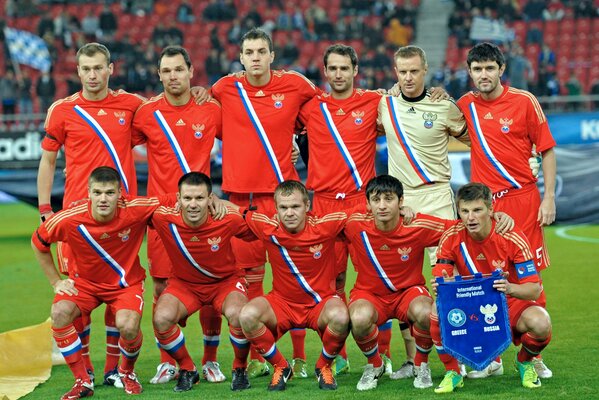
(539, 256)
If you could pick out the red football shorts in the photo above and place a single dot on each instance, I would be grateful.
(195, 295)
(326, 204)
(515, 309)
(394, 305)
(292, 315)
(252, 254)
(159, 262)
(523, 206)
(91, 295)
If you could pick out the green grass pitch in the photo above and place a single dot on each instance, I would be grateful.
(573, 302)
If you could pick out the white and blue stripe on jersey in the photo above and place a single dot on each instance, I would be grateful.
(375, 262)
(172, 140)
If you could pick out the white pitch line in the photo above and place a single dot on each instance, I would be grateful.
(563, 233)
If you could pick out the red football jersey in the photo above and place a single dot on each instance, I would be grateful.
(258, 127)
(503, 132)
(94, 134)
(202, 254)
(388, 262)
(508, 252)
(179, 139)
(105, 253)
(341, 141)
(303, 264)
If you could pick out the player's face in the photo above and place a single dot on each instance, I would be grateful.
(486, 76)
(94, 73)
(291, 211)
(194, 200)
(104, 197)
(256, 57)
(340, 73)
(410, 75)
(175, 75)
(476, 216)
(384, 206)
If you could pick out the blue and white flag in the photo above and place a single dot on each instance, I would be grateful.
(27, 48)
(474, 321)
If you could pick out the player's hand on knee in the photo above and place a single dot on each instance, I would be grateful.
(65, 286)
(505, 223)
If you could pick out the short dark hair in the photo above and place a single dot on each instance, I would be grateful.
(171, 51)
(341, 50)
(475, 191)
(286, 188)
(91, 49)
(253, 34)
(104, 175)
(409, 52)
(485, 52)
(195, 179)
(384, 184)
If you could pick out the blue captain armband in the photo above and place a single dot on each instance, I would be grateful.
(526, 269)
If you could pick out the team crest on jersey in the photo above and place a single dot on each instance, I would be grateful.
(124, 235)
(316, 251)
(429, 118)
(198, 130)
(358, 115)
(121, 116)
(278, 99)
(405, 253)
(498, 264)
(505, 124)
(213, 242)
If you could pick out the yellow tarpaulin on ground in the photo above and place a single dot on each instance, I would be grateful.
(25, 360)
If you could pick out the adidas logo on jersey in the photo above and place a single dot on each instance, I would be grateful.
(180, 122)
(385, 248)
(411, 110)
(481, 256)
(340, 112)
(260, 93)
(296, 248)
(105, 236)
(488, 116)
(194, 239)
(101, 112)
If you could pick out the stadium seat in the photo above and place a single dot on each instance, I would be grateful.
(584, 25)
(551, 27)
(567, 26)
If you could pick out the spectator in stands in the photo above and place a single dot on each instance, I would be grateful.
(534, 35)
(520, 70)
(455, 86)
(252, 19)
(159, 35)
(290, 52)
(220, 10)
(398, 35)
(8, 93)
(380, 60)
(142, 7)
(10, 9)
(65, 25)
(215, 68)
(323, 28)
(45, 24)
(45, 89)
(284, 22)
(506, 11)
(455, 24)
(174, 35)
(185, 13)
(574, 88)
(268, 22)
(547, 63)
(297, 19)
(313, 72)
(108, 22)
(24, 92)
(555, 11)
(533, 10)
(585, 9)
(235, 32)
(90, 25)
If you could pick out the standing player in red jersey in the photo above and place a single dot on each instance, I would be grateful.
(301, 251)
(473, 246)
(105, 234)
(179, 135)
(205, 273)
(260, 107)
(388, 256)
(341, 128)
(94, 128)
(506, 125)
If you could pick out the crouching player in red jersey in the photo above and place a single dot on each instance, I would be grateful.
(301, 250)
(105, 234)
(457, 254)
(204, 273)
